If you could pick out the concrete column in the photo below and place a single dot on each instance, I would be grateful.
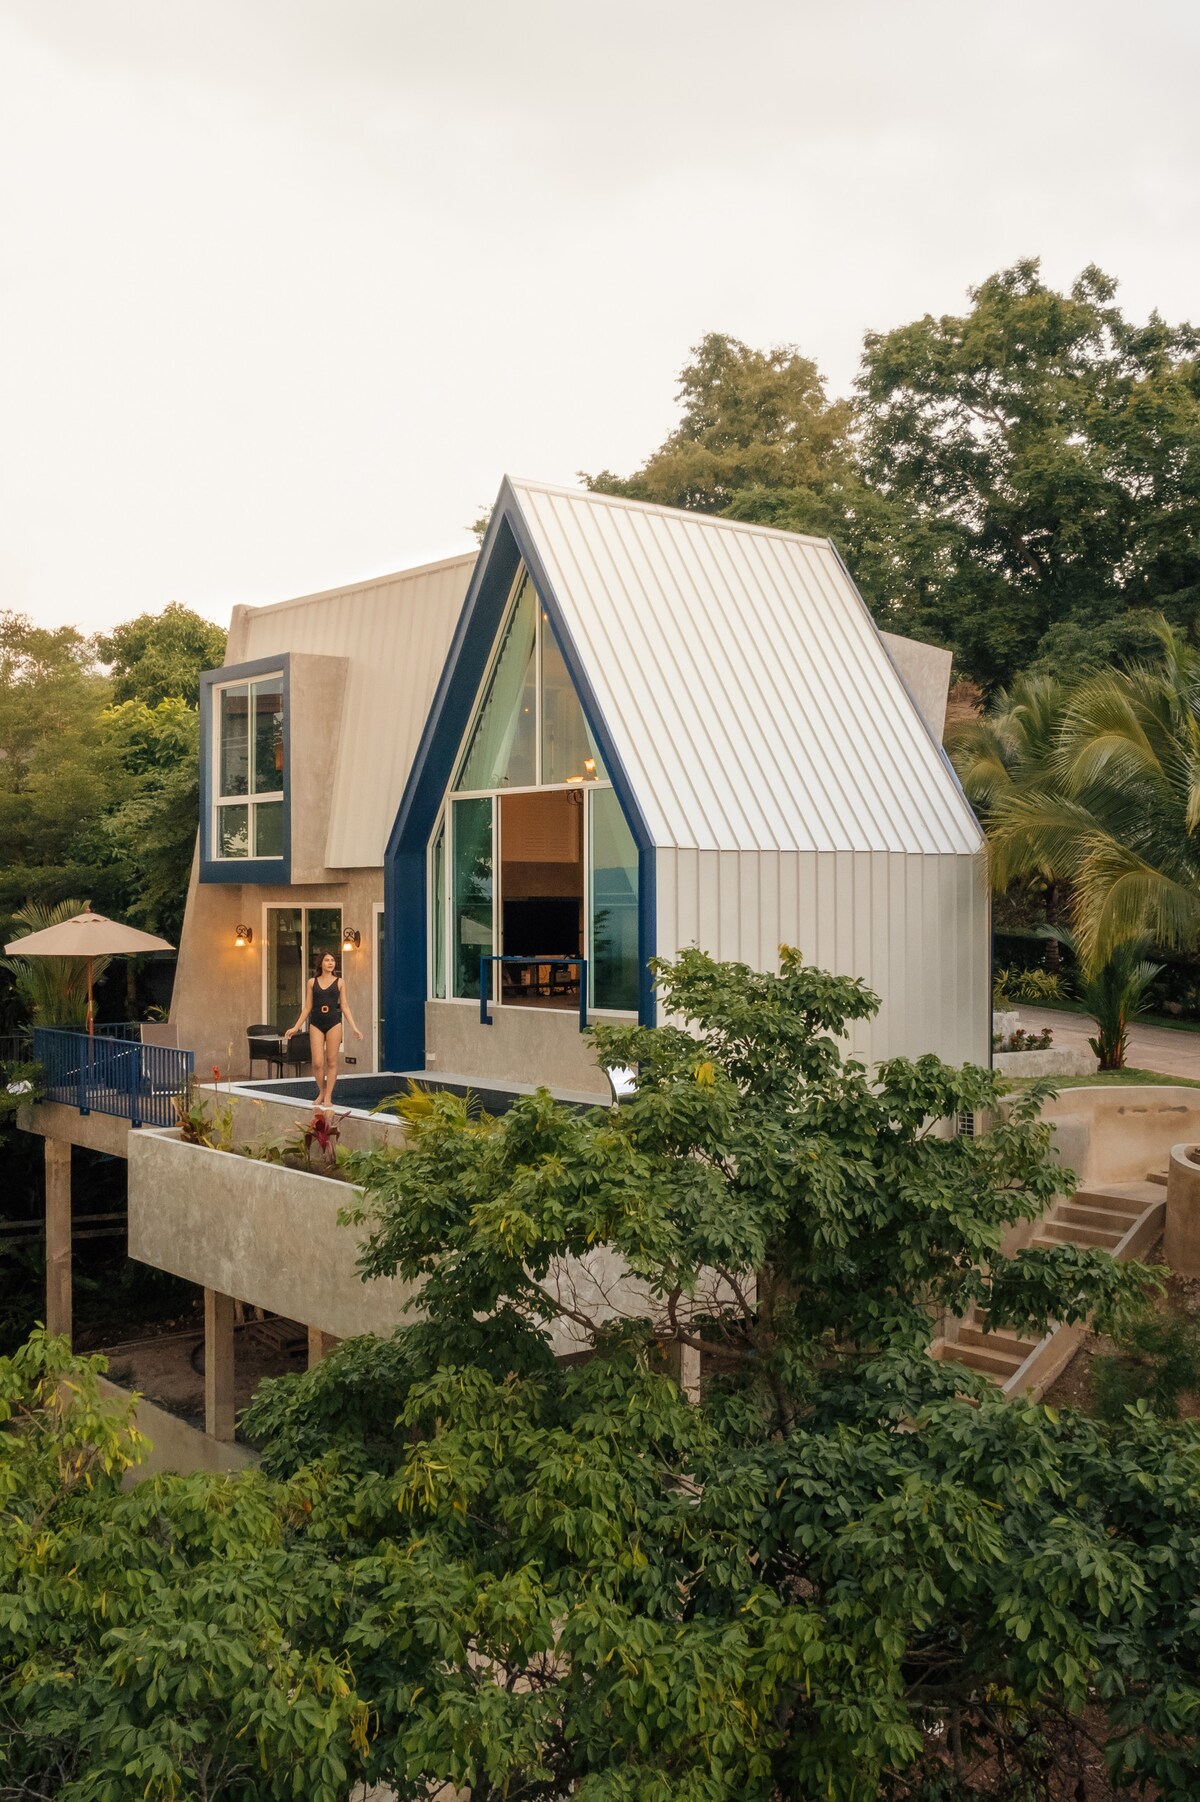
(219, 1407)
(58, 1237)
(683, 1361)
(319, 1345)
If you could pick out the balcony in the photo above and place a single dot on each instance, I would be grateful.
(112, 1073)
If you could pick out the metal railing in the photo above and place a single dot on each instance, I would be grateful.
(552, 964)
(112, 1075)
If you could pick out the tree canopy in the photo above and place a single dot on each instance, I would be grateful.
(849, 1572)
(1020, 482)
(160, 656)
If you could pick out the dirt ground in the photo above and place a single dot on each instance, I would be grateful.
(167, 1366)
(1073, 1389)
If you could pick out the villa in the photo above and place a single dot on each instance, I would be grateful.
(496, 787)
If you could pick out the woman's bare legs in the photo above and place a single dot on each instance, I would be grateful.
(316, 1047)
(333, 1046)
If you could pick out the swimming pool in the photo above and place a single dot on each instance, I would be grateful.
(363, 1093)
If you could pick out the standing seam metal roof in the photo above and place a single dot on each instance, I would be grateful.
(745, 685)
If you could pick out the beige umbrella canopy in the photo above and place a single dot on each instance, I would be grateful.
(88, 935)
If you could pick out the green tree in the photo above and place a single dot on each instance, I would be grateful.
(54, 775)
(160, 656)
(851, 1572)
(149, 832)
(1041, 454)
(755, 423)
(1115, 814)
(53, 990)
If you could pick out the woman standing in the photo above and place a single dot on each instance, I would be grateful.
(325, 1005)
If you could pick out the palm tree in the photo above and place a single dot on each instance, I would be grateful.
(54, 989)
(1009, 749)
(1115, 811)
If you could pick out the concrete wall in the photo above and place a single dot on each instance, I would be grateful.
(1119, 1134)
(96, 1132)
(925, 672)
(219, 987)
(524, 1044)
(175, 1447)
(317, 692)
(265, 1235)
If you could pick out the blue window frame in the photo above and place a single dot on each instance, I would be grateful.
(245, 773)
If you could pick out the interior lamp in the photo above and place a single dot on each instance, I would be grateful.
(244, 935)
(351, 939)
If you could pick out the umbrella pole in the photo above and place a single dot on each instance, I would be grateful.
(90, 1017)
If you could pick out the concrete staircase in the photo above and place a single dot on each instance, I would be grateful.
(1122, 1218)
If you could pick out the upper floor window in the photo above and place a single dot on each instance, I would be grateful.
(248, 745)
(529, 730)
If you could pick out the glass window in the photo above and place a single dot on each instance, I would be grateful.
(323, 929)
(472, 879)
(614, 966)
(285, 965)
(250, 759)
(503, 744)
(235, 740)
(268, 739)
(233, 831)
(568, 751)
(268, 829)
(437, 905)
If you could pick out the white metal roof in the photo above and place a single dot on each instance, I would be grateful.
(745, 685)
(395, 632)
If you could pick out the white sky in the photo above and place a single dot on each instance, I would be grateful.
(287, 285)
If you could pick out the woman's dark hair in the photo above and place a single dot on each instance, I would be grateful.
(320, 959)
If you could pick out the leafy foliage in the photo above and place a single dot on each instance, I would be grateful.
(1156, 1363)
(53, 989)
(851, 1572)
(160, 656)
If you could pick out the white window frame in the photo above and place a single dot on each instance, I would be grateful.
(248, 800)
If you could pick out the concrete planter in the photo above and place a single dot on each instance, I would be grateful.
(260, 1232)
(1053, 1061)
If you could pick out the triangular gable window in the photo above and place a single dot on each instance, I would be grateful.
(529, 730)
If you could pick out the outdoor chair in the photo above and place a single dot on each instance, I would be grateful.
(264, 1043)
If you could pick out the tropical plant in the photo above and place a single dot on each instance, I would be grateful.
(1114, 995)
(53, 989)
(1156, 1363)
(1115, 816)
(849, 1572)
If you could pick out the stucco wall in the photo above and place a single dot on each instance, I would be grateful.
(218, 987)
(523, 1044)
(1120, 1134)
(263, 1234)
(925, 671)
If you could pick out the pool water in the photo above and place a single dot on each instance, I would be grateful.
(366, 1092)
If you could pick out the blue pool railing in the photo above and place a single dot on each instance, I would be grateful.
(112, 1074)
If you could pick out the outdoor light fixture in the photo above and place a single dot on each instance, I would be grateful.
(244, 935)
(351, 939)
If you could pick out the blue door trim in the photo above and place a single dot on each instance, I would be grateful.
(508, 543)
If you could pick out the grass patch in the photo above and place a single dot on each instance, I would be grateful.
(1111, 1079)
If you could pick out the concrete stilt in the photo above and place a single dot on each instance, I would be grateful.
(58, 1237)
(319, 1345)
(219, 1405)
(684, 1364)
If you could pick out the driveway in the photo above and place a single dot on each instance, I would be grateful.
(1158, 1048)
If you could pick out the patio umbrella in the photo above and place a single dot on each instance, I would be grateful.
(87, 935)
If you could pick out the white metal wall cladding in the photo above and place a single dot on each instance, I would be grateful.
(744, 682)
(914, 927)
(396, 632)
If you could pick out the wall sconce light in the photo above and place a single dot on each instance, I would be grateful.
(351, 939)
(244, 936)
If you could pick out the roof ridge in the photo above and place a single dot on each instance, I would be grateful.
(396, 575)
(597, 497)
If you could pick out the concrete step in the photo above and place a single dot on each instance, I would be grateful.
(1008, 1343)
(991, 1363)
(1157, 1176)
(1094, 1215)
(1129, 1197)
(1067, 1232)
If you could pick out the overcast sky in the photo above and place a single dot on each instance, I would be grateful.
(287, 285)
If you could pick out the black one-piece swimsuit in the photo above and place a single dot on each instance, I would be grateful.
(326, 1008)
